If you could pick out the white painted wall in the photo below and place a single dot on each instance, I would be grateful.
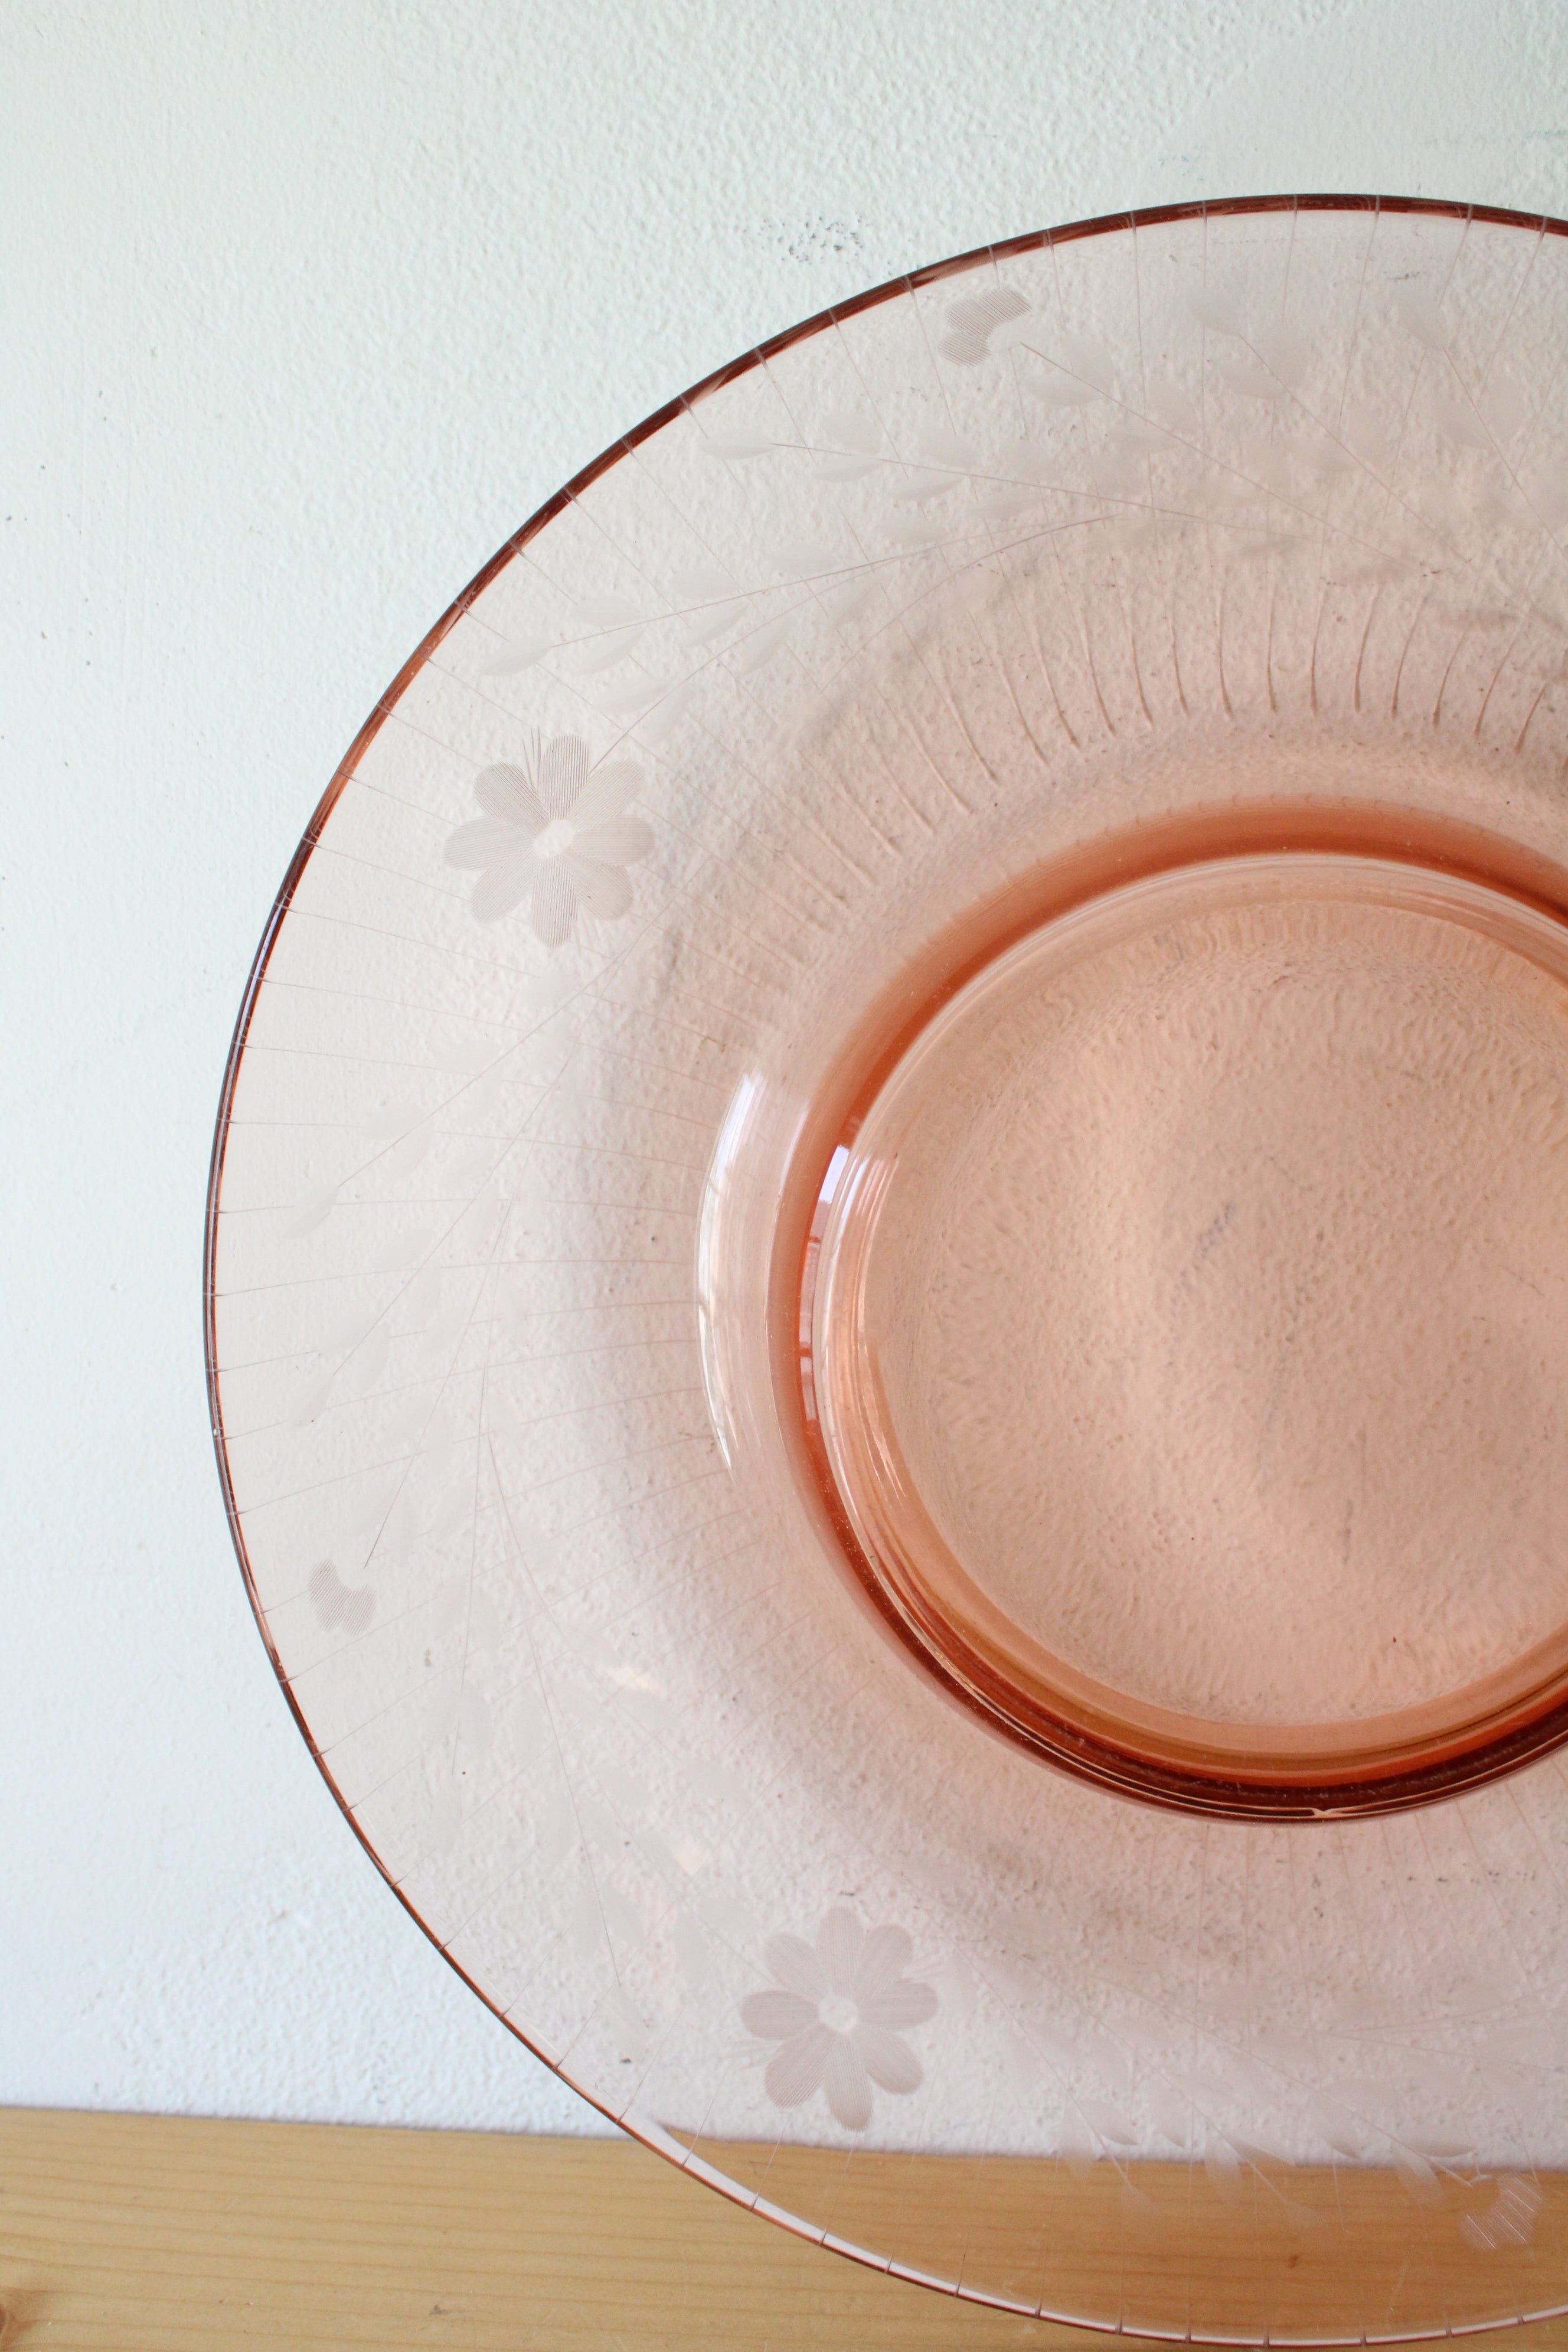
(306, 309)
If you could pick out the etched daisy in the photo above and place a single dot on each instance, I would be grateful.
(553, 835)
(836, 2014)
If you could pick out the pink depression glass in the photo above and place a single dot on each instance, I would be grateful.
(888, 1276)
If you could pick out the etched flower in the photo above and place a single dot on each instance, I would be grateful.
(980, 324)
(553, 835)
(836, 2014)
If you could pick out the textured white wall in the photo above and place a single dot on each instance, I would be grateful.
(305, 310)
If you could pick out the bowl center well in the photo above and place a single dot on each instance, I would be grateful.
(1190, 1331)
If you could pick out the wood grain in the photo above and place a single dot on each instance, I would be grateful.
(131, 2234)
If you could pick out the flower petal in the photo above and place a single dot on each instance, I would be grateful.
(563, 772)
(553, 904)
(483, 842)
(839, 1942)
(796, 2068)
(615, 843)
(602, 890)
(606, 793)
(778, 2016)
(793, 1961)
(507, 792)
(502, 886)
(905, 2003)
(888, 2062)
(848, 2086)
(886, 1954)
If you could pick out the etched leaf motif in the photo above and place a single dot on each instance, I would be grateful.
(519, 656)
(307, 1214)
(1216, 308)
(1060, 390)
(1421, 315)
(1108, 2123)
(735, 446)
(1509, 2219)
(852, 443)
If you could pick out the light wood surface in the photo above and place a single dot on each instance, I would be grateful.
(126, 2234)
(1268, 2250)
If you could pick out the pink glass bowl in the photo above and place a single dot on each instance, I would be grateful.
(887, 1292)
